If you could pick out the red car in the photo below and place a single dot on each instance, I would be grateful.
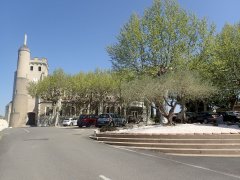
(87, 120)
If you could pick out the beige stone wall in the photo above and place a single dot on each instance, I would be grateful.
(3, 124)
(23, 61)
(8, 110)
(38, 69)
(43, 108)
(18, 115)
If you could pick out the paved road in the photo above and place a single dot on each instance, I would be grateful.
(68, 154)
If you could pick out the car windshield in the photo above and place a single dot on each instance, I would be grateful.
(82, 116)
(230, 113)
(104, 116)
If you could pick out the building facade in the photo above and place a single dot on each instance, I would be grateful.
(25, 109)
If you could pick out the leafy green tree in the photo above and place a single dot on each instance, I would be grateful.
(176, 87)
(227, 63)
(129, 53)
(101, 86)
(166, 36)
(76, 95)
(219, 62)
(51, 89)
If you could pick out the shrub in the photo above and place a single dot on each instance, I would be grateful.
(107, 128)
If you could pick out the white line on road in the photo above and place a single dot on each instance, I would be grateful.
(103, 177)
(179, 162)
(27, 131)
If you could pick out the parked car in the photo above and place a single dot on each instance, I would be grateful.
(205, 117)
(237, 113)
(230, 116)
(110, 119)
(70, 122)
(87, 120)
(134, 119)
(190, 117)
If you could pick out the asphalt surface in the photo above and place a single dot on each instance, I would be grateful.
(69, 154)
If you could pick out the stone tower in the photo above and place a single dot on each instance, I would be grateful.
(18, 115)
(24, 109)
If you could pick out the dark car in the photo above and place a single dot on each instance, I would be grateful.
(110, 119)
(134, 119)
(229, 116)
(190, 117)
(206, 117)
(87, 120)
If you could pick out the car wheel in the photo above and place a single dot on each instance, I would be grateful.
(205, 121)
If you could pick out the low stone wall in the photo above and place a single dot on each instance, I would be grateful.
(3, 124)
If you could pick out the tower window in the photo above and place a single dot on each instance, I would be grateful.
(31, 68)
(39, 68)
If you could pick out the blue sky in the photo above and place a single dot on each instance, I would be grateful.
(73, 34)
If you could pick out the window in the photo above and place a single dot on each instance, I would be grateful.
(31, 68)
(39, 68)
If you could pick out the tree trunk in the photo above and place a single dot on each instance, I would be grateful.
(168, 115)
(58, 109)
(204, 106)
(88, 108)
(54, 114)
(183, 111)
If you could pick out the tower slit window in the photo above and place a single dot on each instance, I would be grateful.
(39, 68)
(31, 68)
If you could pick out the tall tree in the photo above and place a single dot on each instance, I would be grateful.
(227, 62)
(220, 62)
(51, 89)
(101, 86)
(176, 87)
(166, 36)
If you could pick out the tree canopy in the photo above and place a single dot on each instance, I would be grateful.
(176, 87)
(166, 36)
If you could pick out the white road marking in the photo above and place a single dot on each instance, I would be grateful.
(179, 162)
(27, 131)
(103, 177)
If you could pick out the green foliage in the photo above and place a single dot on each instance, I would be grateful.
(188, 85)
(219, 62)
(166, 36)
(51, 88)
(171, 88)
(107, 128)
(83, 88)
(167, 56)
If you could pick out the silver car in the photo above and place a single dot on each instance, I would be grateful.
(70, 122)
(110, 119)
